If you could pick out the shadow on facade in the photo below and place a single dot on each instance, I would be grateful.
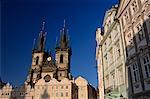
(45, 95)
(138, 63)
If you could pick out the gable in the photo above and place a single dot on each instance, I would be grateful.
(81, 81)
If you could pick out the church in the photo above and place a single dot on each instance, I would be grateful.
(49, 77)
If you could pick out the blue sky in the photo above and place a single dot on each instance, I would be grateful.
(20, 24)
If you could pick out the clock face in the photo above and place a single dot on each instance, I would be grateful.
(49, 59)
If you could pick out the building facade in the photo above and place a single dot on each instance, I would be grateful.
(110, 58)
(50, 78)
(134, 18)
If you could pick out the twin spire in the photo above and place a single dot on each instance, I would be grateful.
(40, 45)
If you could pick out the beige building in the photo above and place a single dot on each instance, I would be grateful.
(66, 89)
(134, 18)
(50, 78)
(85, 89)
(110, 58)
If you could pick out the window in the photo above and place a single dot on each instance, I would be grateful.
(118, 49)
(113, 78)
(146, 62)
(109, 39)
(56, 87)
(126, 17)
(61, 94)
(120, 75)
(56, 94)
(105, 60)
(37, 60)
(81, 95)
(47, 78)
(66, 94)
(129, 35)
(135, 72)
(61, 58)
(134, 7)
(107, 81)
(109, 23)
(110, 56)
(129, 39)
(66, 87)
(140, 32)
(105, 45)
(60, 74)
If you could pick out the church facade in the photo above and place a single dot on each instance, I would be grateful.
(50, 78)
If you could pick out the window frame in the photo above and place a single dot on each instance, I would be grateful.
(61, 58)
(135, 72)
(146, 66)
(140, 32)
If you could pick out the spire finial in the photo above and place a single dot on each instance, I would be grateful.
(43, 25)
(64, 23)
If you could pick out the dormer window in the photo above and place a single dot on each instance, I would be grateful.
(129, 39)
(140, 32)
(126, 17)
(61, 58)
(134, 7)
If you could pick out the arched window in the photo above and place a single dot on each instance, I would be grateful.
(61, 58)
(37, 60)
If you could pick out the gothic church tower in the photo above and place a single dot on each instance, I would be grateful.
(63, 54)
(38, 57)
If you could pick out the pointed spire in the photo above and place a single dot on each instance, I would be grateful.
(42, 38)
